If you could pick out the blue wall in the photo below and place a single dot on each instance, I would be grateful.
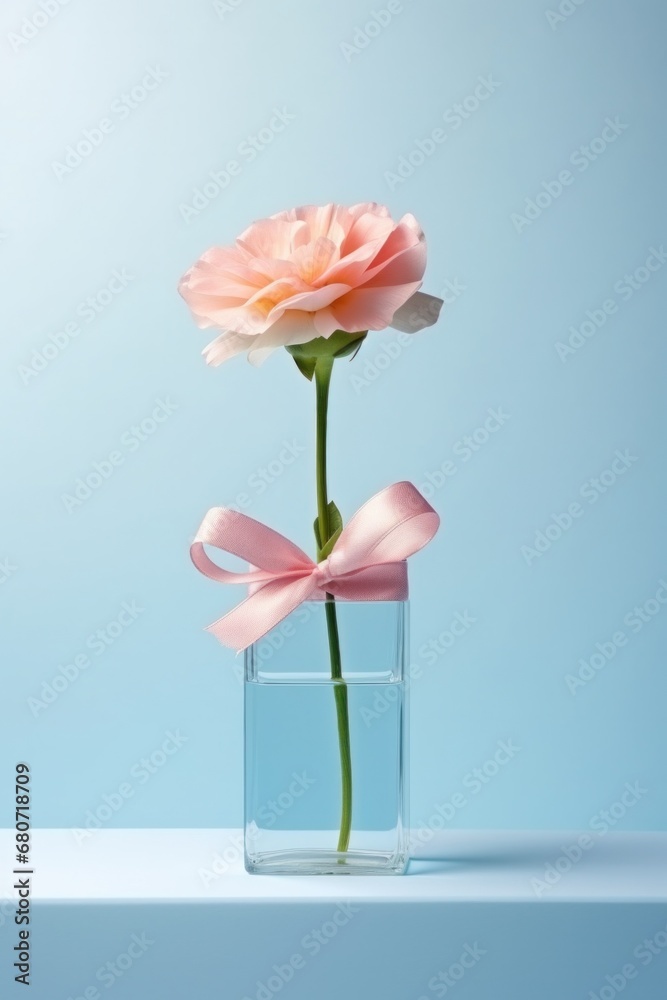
(542, 206)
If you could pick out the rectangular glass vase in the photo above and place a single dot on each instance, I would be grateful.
(326, 737)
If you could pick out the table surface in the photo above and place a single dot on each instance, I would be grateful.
(180, 865)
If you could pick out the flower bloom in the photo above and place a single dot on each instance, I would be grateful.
(306, 273)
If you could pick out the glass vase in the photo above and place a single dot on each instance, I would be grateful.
(326, 747)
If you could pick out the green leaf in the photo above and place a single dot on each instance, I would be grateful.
(335, 526)
(351, 348)
(357, 349)
(306, 366)
(324, 552)
(337, 345)
(335, 519)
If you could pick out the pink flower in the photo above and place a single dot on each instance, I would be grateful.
(307, 272)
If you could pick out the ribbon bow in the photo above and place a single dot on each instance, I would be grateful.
(367, 563)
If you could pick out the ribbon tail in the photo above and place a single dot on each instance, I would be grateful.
(260, 612)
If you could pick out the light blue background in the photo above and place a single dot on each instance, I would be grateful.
(504, 679)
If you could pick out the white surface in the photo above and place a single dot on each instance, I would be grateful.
(457, 866)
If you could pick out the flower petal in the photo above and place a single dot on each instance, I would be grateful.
(273, 238)
(309, 301)
(226, 346)
(371, 308)
(353, 267)
(325, 322)
(313, 259)
(292, 328)
(406, 266)
(366, 229)
(421, 310)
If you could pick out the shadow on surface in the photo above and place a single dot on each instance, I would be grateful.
(606, 851)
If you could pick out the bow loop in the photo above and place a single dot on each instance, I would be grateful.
(367, 563)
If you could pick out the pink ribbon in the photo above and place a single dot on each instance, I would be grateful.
(367, 563)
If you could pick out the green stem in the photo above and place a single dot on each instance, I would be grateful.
(323, 370)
